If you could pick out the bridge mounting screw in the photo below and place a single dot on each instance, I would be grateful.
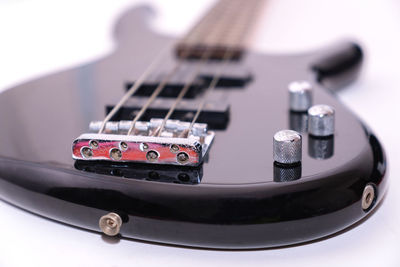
(174, 148)
(94, 144)
(287, 147)
(115, 154)
(86, 152)
(123, 146)
(152, 156)
(182, 157)
(300, 96)
(321, 120)
(110, 224)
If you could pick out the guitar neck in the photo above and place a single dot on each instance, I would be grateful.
(223, 29)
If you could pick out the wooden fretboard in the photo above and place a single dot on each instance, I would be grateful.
(223, 28)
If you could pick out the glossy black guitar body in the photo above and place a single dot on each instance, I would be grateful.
(238, 198)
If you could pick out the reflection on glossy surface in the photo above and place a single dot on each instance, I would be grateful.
(149, 172)
(286, 173)
(298, 121)
(320, 147)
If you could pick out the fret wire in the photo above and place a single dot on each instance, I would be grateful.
(239, 27)
(212, 85)
(226, 6)
(155, 62)
(206, 26)
(231, 6)
(184, 91)
(132, 90)
(158, 90)
(206, 19)
(219, 26)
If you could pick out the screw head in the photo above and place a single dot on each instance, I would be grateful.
(152, 155)
(86, 152)
(94, 144)
(368, 197)
(300, 96)
(174, 148)
(287, 147)
(182, 157)
(110, 224)
(115, 153)
(321, 120)
(123, 146)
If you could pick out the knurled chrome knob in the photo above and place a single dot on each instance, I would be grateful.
(321, 120)
(300, 96)
(287, 147)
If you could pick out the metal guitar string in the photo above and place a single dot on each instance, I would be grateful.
(183, 92)
(159, 88)
(163, 83)
(142, 78)
(132, 90)
(210, 88)
(154, 95)
(217, 76)
(226, 58)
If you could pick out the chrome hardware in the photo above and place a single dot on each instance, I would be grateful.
(368, 197)
(152, 156)
(110, 224)
(86, 152)
(172, 127)
(321, 120)
(175, 145)
(115, 153)
(300, 96)
(287, 147)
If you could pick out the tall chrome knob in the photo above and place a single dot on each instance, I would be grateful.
(287, 147)
(321, 120)
(300, 96)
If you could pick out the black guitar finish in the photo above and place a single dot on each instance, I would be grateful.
(238, 198)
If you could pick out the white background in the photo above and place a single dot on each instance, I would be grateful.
(42, 36)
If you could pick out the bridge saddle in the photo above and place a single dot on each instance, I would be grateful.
(175, 145)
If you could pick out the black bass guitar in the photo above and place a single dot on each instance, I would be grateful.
(194, 142)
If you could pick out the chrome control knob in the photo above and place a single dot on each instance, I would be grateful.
(321, 120)
(300, 96)
(287, 147)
